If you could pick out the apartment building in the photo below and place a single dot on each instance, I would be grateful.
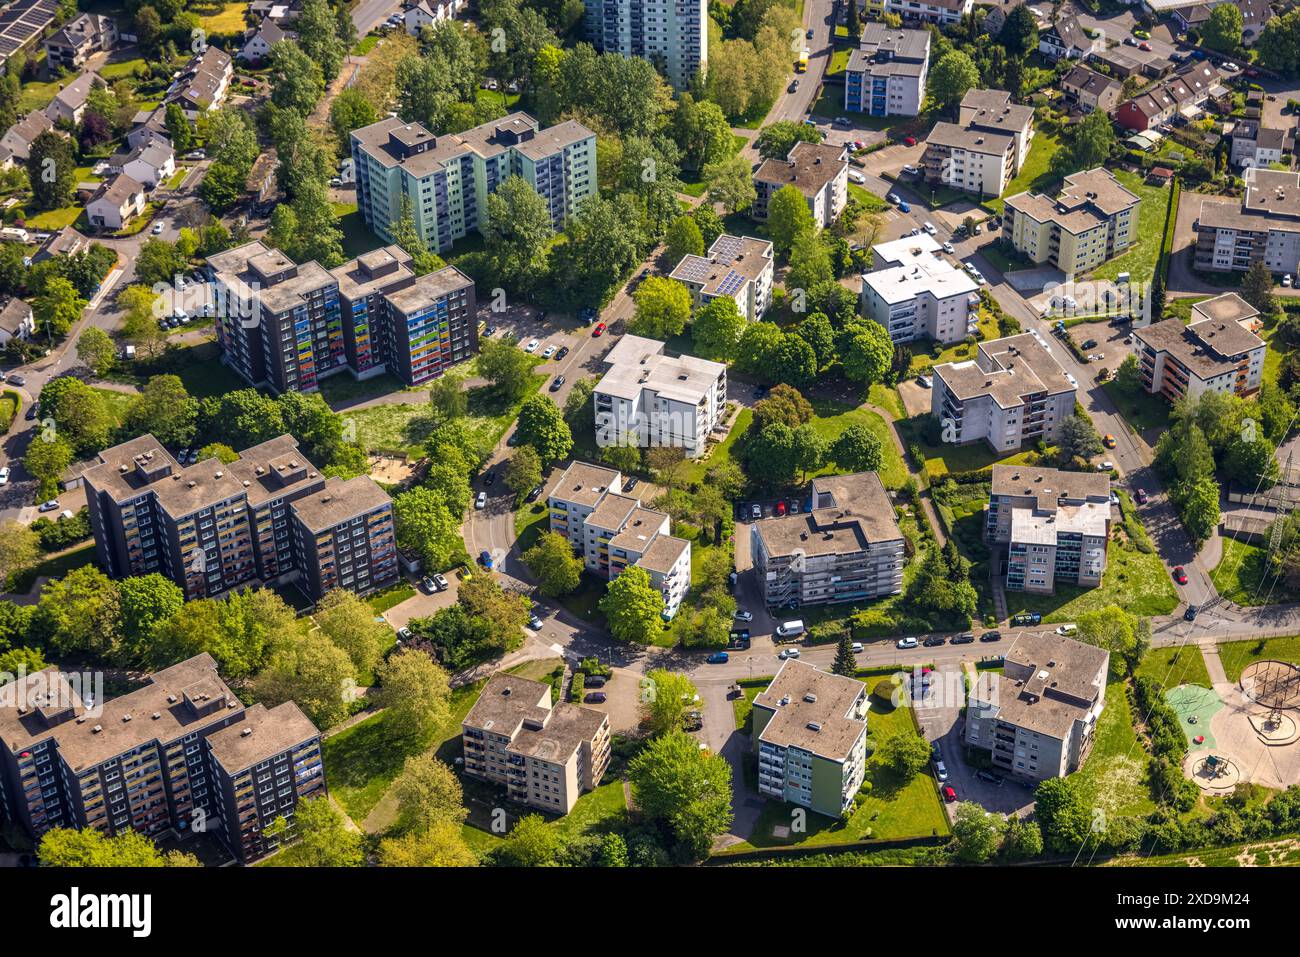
(1012, 394)
(442, 182)
(916, 292)
(985, 149)
(648, 399)
(818, 170)
(1054, 526)
(1264, 228)
(739, 267)
(179, 753)
(1184, 93)
(1038, 719)
(1088, 90)
(845, 546)
(810, 733)
(1255, 145)
(1092, 219)
(671, 34)
(941, 12)
(611, 530)
(886, 75)
(1215, 352)
(287, 326)
(264, 519)
(68, 47)
(427, 13)
(545, 755)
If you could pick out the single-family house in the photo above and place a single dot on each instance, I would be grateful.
(16, 321)
(258, 43)
(150, 163)
(1088, 90)
(18, 138)
(69, 103)
(117, 203)
(1066, 39)
(74, 42)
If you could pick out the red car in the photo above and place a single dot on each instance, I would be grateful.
(1180, 575)
(598, 331)
(909, 140)
(1144, 46)
(949, 794)
(780, 508)
(1141, 496)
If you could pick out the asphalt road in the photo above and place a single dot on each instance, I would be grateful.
(368, 14)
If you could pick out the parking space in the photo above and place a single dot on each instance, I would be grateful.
(622, 691)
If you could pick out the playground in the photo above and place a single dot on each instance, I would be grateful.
(391, 469)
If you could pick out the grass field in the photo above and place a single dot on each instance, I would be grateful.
(923, 360)
(54, 219)
(694, 471)
(121, 68)
(1282, 852)
(1033, 175)
(1114, 776)
(832, 419)
(1243, 577)
(1175, 666)
(942, 459)
(1236, 655)
(1140, 260)
(217, 17)
(1134, 580)
(1140, 409)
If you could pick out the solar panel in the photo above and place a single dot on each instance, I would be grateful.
(693, 269)
(731, 283)
(728, 247)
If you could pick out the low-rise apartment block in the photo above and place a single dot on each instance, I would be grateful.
(916, 292)
(1012, 394)
(73, 43)
(810, 733)
(886, 75)
(671, 34)
(739, 267)
(267, 518)
(545, 755)
(442, 182)
(1215, 352)
(983, 151)
(1054, 525)
(1038, 719)
(1088, 90)
(846, 546)
(941, 12)
(1265, 227)
(179, 753)
(1255, 145)
(611, 530)
(818, 170)
(648, 399)
(1093, 219)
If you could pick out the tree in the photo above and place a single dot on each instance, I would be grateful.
(146, 601)
(1257, 284)
(178, 128)
(52, 170)
(905, 753)
(448, 398)
(1079, 438)
(817, 331)
(47, 458)
(717, 329)
(1093, 140)
(164, 409)
(683, 239)
(315, 673)
(662, 307)
(80, 614)
(776, 140)
(1252, 461)
(633, 607)
(506, 367)
(951, 78)
(866, 352)
(426, 526)
(531, 843)
(95, 348)
(771, 456)
(518, 232)
(1063, 815)
(78, 412)
(1115, 630)
(19, 549)
(440, 845)
(297, 81)
(1222, 31)
(788, 218)
(845, 664)
(976, 834)
(350, 623)
(57, 307)
(666, 696)
(68, 847)
(1128, 377)
(524, 471)
(553, 564)
(731, 183)
(857, 450)
(686, 789)
(158, 262)
(323, 836)
(1019, 34)
(222, 187)
(709, 222)
(810, 263)
(1279, 43)
(542, 425)
(1200, 509)
(318, 35)
(783, 403)
(428, 793)
(701, 130)
(350, 111)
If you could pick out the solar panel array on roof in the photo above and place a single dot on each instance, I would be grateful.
(731, 282)
(729, 247)
(694, 269)
(23, 22)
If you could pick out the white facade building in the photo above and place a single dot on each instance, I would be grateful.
(917, 293)
(737, 266)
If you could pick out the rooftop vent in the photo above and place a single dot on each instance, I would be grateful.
(814, 726)
(171, 699)
(126, 718)
(157, 715)
(96, 729)
(246, 732)
(810, 698)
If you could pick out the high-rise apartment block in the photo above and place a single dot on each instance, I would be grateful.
(442, 182)
(1264, 227)
(268, 518)
(181, 753)
(287, 326)
(544, 754)
(671, 34)
(886, 75)
(739, 267)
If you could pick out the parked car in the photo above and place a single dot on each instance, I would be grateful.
(948, 248)
(794, 85)
(536, 491)
(564, 351)
(718, 658)
(789, 653)
(548, 352)
(742, 615)
(532, 346)
(910, 170)
(485, 559)
(965, 639)
(1108, 440)
(596, 697)
(780, 508)
(904, 207)
(940, 771)
(440, 582)
(1180, 574)
(907, 642)
(929, 228)
(1190, 614)
(1144, 46)
(991, 636)
(949, 795)
(1067, 631)
(990, 777)
(427, 584)
(934, 640)
(596, 681)
(557, 383)
(4, 475)
(49, 506)
(631, 483)
(855, 647)
(894, 198)
(18, 380)
(856, 177)
(755, 511)
(924, 381)
(597, 332)
(157, 229)
(480, 502)
(909, 140)
(1141, 496)
(1026, 618)
(534, 622)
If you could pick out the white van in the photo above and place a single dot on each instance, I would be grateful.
(790, 628)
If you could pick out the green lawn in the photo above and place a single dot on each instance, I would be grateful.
(1142, 410)
(121, 69)
(942, 459)
(833, 418)
(340, 390)
(117, 403)
(54, 219)
(1033, 176)
(887, 398)
(923, 359)
(1242, 576)
(365, 45)
(37, 94)
(694, 471)
(1114, 777)
(893, 810)
(1172, 667)
(1134, 580)
(1140, 260)
(55, 567)
(867, 199)
(218, 17)
(389, 597)
(1283, 852)
(357, 237)
(744, 707)
(1235, 655)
